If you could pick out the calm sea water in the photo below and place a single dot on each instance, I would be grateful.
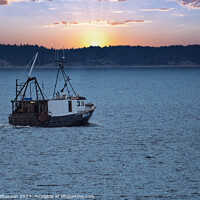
(143, 141)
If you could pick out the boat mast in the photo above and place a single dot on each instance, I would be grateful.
(29, 75)
(24, 86)
(63, 58)
(65, 77)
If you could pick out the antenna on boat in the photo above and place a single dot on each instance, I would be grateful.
(55, 56)
(29, 75)
(63, 58)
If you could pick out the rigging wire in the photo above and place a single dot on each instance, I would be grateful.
(41, 73)
(43, 86)
(26, 67)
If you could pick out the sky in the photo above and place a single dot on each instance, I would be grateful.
(84, 23)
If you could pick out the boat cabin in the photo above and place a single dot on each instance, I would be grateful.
(64, 105)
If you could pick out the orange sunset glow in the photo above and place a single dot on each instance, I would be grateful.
(82, 23)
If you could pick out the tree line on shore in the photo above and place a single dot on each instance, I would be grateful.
(20, 55)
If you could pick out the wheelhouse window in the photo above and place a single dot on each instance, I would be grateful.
(82, 103)
(78, 103)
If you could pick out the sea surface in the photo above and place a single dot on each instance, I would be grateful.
(143, 140)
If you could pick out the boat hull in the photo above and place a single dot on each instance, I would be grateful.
(78, 119)
(75, 119)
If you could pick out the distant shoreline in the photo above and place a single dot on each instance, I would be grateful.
(106, 57)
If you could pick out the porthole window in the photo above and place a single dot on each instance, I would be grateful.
(78, 103)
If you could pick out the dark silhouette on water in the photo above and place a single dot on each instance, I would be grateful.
(29, 109)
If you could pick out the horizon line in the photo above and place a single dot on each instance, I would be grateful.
(94, 46)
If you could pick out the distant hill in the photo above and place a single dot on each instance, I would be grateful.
(14, 55)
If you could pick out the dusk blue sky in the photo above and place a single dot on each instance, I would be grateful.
(79, 23)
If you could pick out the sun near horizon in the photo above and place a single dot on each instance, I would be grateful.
(94, 38)
(78, 24)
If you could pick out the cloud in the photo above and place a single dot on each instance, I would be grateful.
(52, 8)
(3, 2)
(112, 0)
(6, 2)
(118, 11)
(158, 9)
(97, 23)
(195, 4)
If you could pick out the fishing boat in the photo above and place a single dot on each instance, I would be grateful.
(31, 107)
